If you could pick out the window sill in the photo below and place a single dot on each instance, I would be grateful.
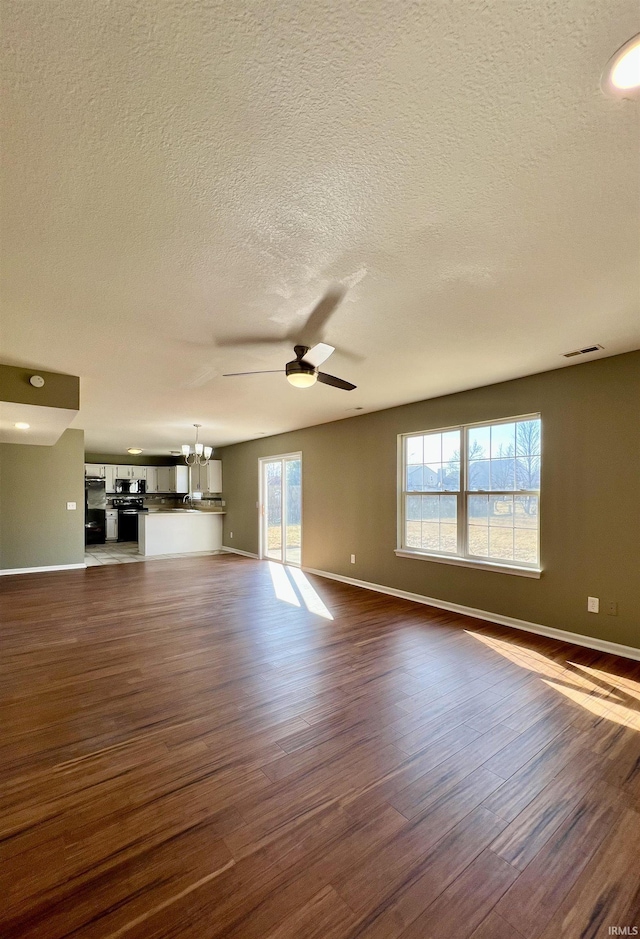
(533, 572)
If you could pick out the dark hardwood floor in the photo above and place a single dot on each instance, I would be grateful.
(184, 754)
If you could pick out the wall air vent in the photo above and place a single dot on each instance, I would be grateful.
(585, 351)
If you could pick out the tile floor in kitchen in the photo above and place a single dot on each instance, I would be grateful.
(126, 552)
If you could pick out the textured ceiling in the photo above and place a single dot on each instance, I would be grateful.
(178, 172)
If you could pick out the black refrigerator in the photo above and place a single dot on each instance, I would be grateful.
(95, 511)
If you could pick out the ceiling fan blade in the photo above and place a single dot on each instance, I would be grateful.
(320, 315)
(319, 354)
(250, 341)
(336, 382)
(267, 371)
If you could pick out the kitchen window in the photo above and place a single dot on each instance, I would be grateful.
(470, 495)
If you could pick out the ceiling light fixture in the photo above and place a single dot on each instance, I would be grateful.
(200, 456)
(300, 374)
(134, 450)
(621, 77)
(21, 425)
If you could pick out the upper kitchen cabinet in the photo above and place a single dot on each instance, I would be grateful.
(152, 479)
(173, 479)
(214, 476)
(110, 477)
(131, 472)
(207, 478)
(94, 469)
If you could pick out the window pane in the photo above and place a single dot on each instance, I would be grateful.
(503, 474)
(528, 438)
(501, 544)
(525, 546)
(429, 508)
(433, 448)
(451, 446)
(448, 509)
(414, 508)
(503, 528)
(478, 443)
(503, 440)
(437, 529)
(528, 472)
(414, 449)
(414, 478)
(478, 508)
(431, 476)
(413, 521)
(451, 475)
(479, 474)
(479, 541)
(526, 512)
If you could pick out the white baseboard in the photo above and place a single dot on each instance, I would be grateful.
(41, 570)
(562, 635)
(246, 554)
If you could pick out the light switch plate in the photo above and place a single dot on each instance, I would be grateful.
(593, 604)
(71, 506)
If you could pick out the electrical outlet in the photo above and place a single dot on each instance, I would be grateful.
(593, 605)
(611, 607)
(71, 506)
(353, 559)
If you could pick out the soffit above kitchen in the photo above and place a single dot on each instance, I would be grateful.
(175, 174)
(36, 407)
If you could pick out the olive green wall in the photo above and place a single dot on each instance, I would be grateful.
(590, 497)
(58, 391)
(36, 529)
(124, 459)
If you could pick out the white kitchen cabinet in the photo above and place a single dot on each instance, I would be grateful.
(152, 478)
(214, 476)
(131, 472)
(110, 477)
(94, 469)
(112, 525)
(207, 478)
(173, 479)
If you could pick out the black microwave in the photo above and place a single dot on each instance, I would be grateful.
(138, 486)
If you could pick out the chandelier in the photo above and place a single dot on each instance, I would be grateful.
(200, 456)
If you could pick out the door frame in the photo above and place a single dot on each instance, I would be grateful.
(296, 455)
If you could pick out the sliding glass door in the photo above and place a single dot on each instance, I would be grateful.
(281, 508)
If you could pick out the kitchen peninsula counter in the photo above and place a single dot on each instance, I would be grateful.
(179, 531)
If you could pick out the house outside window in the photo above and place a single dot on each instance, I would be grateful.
(471, 493)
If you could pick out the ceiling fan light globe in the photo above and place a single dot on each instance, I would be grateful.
(302, 379)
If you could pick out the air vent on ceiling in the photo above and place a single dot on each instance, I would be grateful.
(585, 351)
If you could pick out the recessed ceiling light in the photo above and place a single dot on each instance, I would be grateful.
(134, 450)
(621, 77)
(22, 426)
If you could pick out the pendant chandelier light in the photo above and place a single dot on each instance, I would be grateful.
(200, 456)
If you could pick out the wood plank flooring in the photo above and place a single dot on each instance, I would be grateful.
(186, 755)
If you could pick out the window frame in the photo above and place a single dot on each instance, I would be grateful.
(463, 557)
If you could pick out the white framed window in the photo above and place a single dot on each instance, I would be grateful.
(471, 494)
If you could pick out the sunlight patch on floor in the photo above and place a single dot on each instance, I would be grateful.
(310, 596)
(282, 586)
(601, 693)
(285, 580)
(608, 708)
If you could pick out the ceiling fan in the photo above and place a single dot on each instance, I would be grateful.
(302, 372)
